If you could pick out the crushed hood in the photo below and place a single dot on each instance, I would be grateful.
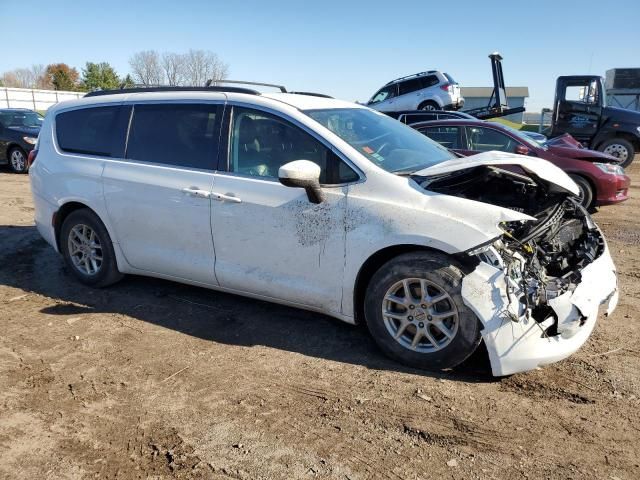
(538, 167)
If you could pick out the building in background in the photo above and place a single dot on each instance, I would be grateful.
(476, 97)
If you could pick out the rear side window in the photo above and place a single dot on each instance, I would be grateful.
(409, 86)
(429, 81)
(93, 131)
(182, 135)
(446, 136)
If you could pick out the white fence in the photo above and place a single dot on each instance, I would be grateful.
(34, 99)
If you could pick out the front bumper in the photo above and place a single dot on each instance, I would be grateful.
(614, 190)
(518, 346)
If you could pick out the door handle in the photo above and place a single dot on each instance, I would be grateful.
(225, 198)
(196, 192)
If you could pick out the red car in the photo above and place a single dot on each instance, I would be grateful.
(600, 179)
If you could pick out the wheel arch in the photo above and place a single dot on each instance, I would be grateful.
(590, 181)
(12, 145)
(430, 100)
(373, 263)
(629, 137)
(64, 211)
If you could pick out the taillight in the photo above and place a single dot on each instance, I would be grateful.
(446, 87)
(32, 157)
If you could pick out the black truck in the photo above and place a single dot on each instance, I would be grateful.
(580, 109)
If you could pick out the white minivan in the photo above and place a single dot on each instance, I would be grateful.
(327, 206)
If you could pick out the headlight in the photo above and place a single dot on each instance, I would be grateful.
(30, 140)
(610, 168)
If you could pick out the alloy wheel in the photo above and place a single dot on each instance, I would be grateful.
(85, 249)
(420, 315)
(18, 161)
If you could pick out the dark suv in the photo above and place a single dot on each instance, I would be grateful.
(19, 129)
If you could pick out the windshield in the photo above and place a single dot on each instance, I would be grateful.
(20, 119)
(386, 142)
(530, 142)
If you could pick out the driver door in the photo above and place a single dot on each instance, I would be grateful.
(579, 107)
(270, 240)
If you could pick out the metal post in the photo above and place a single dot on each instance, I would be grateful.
(541, 120)
(33, 96)
(6, 93)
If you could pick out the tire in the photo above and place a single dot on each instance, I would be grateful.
(17, 158)
(586, 190)
(75, 231)
(429, 106)
(619, 148)
(439, 276)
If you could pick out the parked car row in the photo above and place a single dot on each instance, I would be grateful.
(332, 207)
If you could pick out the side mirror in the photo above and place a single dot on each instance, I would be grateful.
(302, 174)
(522, 150)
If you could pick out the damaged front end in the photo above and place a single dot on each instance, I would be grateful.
(537, 288)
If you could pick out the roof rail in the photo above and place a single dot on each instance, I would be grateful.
(312, 94)
(411, 76)
(241, 82)
(98, 93)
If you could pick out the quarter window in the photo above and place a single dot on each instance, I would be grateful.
(261, 143)
(93, 131)
(429, 81)
(182, 135)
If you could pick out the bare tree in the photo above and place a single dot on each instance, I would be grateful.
(202, 65)
(34, 77)
(146, 68)
(9, 79)
(173, 65)
(40, 79)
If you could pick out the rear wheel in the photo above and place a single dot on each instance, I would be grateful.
(586, 194)
(429, 106)
(415, 312)
(17, 160)
(620, 148)
(87, 249)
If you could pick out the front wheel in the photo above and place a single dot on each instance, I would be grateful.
(586, 190)
(620, 148)
(17, 160)
(415, 312)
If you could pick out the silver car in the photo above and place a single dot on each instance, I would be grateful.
(432, 90)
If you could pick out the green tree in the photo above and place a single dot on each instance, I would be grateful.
(127, 82)
(99, 76)
(62, 76)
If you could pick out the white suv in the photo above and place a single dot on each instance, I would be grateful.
(432, 90)
(328, 206)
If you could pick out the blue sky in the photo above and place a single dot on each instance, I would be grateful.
(344, 48)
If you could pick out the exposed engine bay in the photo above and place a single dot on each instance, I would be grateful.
(542, 259)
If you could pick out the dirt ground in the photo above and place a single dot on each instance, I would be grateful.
(153, 379)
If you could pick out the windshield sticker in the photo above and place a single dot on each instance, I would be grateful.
(368, 150)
